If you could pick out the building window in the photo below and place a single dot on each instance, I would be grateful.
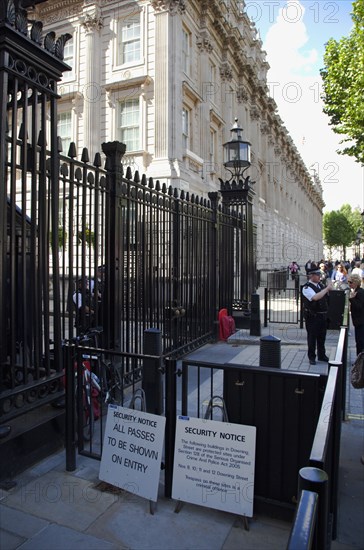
(185, 128)
(213, 137)
(69, 58)
(186, 51)
(129, 40)
(212, 72)
(129, 124)
(64, 130)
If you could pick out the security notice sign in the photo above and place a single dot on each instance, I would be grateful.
(214, 464)
(132, 451)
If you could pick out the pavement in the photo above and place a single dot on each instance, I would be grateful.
(50, 508)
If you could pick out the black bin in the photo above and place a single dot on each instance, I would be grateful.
(270, 352)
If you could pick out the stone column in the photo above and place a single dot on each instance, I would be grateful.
(167, 83)
(92, 23)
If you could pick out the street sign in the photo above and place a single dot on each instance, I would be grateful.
(132, 451)
(214, 464)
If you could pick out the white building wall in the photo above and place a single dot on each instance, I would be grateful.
(224, 79)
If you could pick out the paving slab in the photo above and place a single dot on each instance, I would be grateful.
(57, 537)
(264, 533)
(60, 498)
(18, 521)
(194, 527)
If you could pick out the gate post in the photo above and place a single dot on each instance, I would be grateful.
(316, 480)
(152, 377)
(214, 201)
(114, 152)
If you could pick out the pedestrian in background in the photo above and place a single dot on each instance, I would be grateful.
(324, 274)
(356, 300)
(340, 278)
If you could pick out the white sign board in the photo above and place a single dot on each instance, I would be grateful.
(214, 464)
(132, 451)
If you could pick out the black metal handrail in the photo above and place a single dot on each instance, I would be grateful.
(306, 516)
(324, 459)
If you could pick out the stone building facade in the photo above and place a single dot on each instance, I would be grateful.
(168, 78)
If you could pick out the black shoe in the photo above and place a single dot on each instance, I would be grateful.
(324, 358)
(312, 362)
(4, 431)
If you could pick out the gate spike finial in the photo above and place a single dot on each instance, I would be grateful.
(85, 156)
(97, 160)
(128, 174)
(72, 153)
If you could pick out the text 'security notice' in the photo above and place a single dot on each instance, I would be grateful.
(214, 464)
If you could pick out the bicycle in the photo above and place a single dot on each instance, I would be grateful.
(87, 394)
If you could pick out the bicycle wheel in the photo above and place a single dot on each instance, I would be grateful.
(88, 414)
(84, 416)
(115, 387)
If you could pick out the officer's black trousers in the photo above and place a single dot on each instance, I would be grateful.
(316, 327)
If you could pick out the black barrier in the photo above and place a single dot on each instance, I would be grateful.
(324, 457)
(283, 405)
(335, 314)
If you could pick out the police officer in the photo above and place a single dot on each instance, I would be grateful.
(315, 306)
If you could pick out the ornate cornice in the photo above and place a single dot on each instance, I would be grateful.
(172, 6)
(59, 10)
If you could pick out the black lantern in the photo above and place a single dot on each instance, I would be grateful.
(236, 152)
(237, 160)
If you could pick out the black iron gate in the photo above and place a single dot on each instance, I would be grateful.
(83, 245)
(282, 305)
(168, 260)
(30, 67)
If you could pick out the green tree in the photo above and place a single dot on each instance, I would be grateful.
(343, 85)
(337, 230)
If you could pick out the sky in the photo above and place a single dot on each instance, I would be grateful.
(294, 33)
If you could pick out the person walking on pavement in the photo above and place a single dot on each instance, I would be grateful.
(315, 307)
(356, 300)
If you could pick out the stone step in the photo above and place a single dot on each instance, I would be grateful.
(34, 436)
